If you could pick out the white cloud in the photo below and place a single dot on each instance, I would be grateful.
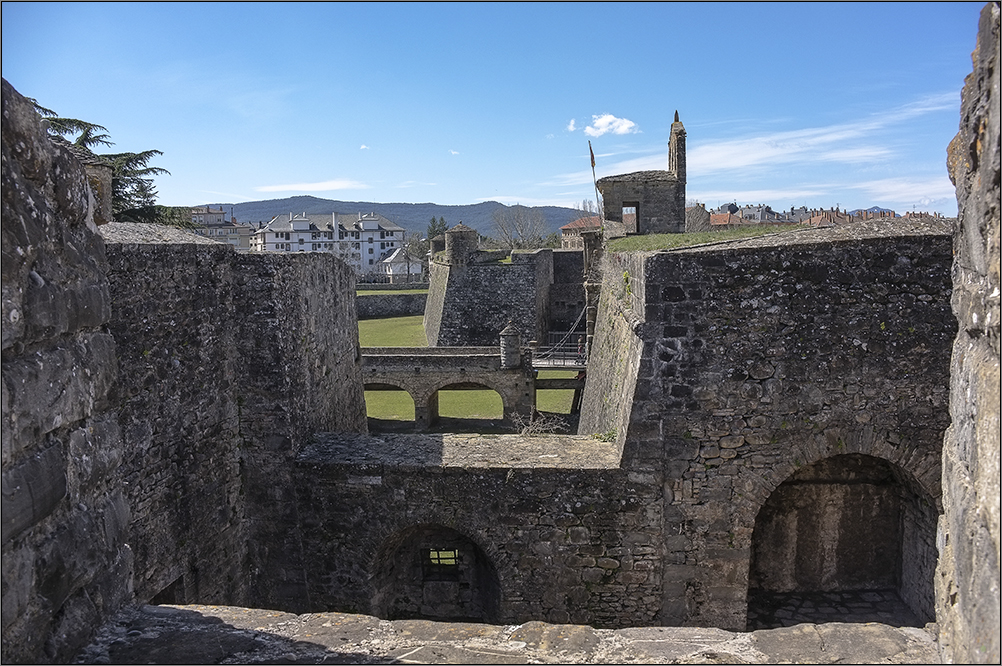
(571, 126)
(766, 196)
(811, 144)
(323, 186)
(610, 124)
(453, 152)
(415, 183)
(363, 147)
(923, 191)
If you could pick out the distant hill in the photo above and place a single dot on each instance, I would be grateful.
(412, 217)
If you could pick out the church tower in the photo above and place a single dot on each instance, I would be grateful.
(676, 150)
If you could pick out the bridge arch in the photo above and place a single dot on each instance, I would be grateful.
(385, 406)
(477, 383)
(435, 572)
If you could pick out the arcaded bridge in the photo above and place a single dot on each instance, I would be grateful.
(424, 371)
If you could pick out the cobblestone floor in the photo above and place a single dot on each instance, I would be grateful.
(768, 610)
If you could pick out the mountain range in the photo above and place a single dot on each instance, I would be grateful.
(410, 216)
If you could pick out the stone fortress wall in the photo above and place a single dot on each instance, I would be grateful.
(473, 295)
(746, 364)
(752, 390)
(967, 584)
(375, 305)
(154, 390)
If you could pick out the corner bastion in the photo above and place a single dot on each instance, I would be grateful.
(742, 373)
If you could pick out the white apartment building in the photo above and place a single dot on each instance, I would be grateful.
(361, 240)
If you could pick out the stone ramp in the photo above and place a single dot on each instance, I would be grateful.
(198, 634)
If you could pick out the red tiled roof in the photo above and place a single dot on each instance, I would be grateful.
(583, 224)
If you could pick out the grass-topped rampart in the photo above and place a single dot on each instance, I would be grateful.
(654, 242)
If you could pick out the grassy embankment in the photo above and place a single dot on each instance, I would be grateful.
(652, 242)
(398, 406)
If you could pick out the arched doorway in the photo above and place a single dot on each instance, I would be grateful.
(389, 408)
(850, 538)
(434, 572)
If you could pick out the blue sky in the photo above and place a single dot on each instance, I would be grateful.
(849, 104)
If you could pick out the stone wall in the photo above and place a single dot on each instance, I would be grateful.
(471, 304)
(566, 297)
(235, 360)
(66, 558)
(179, 417)
(967, 589)
(377, 305)
(154, 397)
(559, 532)
(757, 359)
(658, 196)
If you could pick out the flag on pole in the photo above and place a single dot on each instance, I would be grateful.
(592, 155)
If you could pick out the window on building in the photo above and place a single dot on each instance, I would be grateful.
(301, 241)
(370, 252)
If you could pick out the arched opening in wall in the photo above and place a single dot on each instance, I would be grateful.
(436, 573)
(851, 538)
(389, 408)
(467, 407)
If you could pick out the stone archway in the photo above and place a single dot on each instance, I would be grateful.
(390, 408)
(849, 538)
(434, 572)
(438, 408)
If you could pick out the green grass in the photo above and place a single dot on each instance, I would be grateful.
(392, 332)
(484, 404)
(398, 406)
(651, 242)
(389, 405)
(557, 401)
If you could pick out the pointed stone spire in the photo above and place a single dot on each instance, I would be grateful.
(676, 115)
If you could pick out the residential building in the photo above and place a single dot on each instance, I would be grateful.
(570, 233)
(399, 266)
(212, 223)
(362, 240)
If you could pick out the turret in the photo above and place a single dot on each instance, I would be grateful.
(461, 243)
(676, 150)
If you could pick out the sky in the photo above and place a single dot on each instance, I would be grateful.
(787, 104)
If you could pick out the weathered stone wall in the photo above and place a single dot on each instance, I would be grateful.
(234, 361)
(759, 358)
(659, 197)
(66, 558)
(469, 305)
(170, 479)
(300, 373)
(179, 417)
(566, 297)
(376, 305)
(967, 586)
(565, 542)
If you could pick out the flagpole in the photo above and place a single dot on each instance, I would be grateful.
(598, 204)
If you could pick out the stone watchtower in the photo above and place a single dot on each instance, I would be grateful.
(648, 202)
(461, 244)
